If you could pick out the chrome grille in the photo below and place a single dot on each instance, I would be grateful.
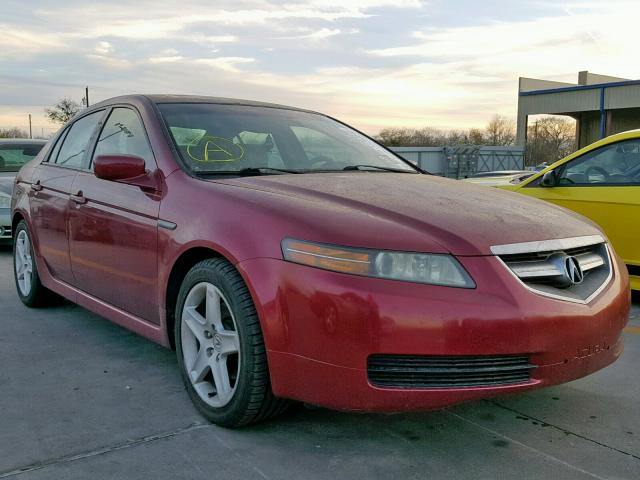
(543, 266)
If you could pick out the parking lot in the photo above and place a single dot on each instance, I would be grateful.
(84, 398)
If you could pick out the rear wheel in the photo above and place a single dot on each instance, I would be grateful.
(30, 289)
(220, 347)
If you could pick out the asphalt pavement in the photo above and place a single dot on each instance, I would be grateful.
(83, 398)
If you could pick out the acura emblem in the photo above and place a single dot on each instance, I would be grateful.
(572, 270)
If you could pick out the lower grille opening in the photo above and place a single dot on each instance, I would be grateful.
(419, 371)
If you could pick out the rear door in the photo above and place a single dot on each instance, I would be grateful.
(603, 185)
(49, 193)
(113, 226)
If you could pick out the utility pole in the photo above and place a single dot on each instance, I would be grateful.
(30, 132)
(86, 96)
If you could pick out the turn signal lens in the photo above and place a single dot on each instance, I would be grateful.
(433, 269)
(328, 257)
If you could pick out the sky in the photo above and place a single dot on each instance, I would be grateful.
(374, 64)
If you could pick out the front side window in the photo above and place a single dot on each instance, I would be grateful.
(75, 144)
(214, 138)
(614, 164)
(123, 133)
(14, 155)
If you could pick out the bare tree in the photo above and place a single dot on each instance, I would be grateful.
(549, 139)
(476, 137)
(62, 111)
(500, 131)
(14, 132)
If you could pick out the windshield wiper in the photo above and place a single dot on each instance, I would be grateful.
(386, 169)
(246, 172)
(261, 170)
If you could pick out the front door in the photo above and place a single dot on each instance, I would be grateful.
(113, 226)
(49, 194)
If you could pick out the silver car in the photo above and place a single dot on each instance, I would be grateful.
(14, 153)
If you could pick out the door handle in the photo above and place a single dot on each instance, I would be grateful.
(36, 187)
(78, 198)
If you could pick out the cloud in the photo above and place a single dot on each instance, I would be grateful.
(103, 48)
(166, 59)
(406, 66)
(321, 34)
(18, 42)
(151, 20)
(551, 45)
(109, 61)
(228, 64)
(315, 35)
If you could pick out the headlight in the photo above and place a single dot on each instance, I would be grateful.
(5, 200)
(433, 269)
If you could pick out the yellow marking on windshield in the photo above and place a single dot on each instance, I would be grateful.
(209, 149)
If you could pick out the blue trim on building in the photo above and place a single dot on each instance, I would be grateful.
(575, 88)
(603, 115)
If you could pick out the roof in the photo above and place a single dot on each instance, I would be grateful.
(22, 141)
(574, 88)
(168, 98)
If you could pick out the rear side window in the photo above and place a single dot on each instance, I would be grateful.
(123, 133)
(75, 145)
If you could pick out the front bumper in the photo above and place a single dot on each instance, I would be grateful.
(321, 327)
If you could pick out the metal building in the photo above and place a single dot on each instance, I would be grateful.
(602, 105)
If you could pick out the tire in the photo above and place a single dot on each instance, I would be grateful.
(25, 272)
(220, 347)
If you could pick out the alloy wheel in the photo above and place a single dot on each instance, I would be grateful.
(24, 263)
(210, 344)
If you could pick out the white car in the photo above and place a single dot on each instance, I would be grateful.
(503, 177)
(14, 153)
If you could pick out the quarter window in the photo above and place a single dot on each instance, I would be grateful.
(124, 134)
(56, 149)
(614, 164)
(75, 144)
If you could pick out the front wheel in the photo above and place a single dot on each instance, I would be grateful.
(220, 347)
(30, 290)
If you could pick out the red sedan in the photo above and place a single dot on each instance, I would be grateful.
(287, 256)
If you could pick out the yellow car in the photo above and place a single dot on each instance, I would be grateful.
(601, 182)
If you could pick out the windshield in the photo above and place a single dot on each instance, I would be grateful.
(213, 138)
(15, 155)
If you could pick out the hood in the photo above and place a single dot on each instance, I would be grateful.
(428, 211)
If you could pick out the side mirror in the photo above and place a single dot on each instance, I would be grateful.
(118, 167)
(549, 179)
